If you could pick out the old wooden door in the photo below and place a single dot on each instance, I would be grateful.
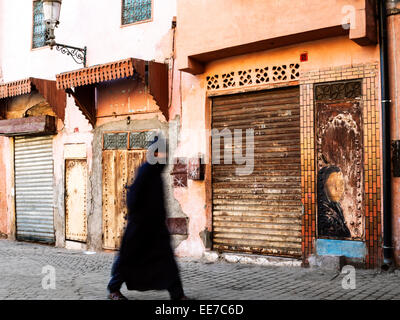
(340, 161)
(75, 199)
(119, 169)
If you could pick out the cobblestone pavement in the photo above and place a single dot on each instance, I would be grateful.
(82, 276)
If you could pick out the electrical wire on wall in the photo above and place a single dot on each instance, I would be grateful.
(173, 64)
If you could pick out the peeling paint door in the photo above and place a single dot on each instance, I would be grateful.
(75, 199)
(119, 169)
(340, 170)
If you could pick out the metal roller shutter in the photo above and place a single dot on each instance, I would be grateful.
(34, 188)
(260, 213)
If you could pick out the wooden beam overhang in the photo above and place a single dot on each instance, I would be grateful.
(81, 83)
(42, 125)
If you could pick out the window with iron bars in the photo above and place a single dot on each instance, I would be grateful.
(136, 11)
(38, 36)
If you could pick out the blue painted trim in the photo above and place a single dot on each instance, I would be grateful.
(350, 249)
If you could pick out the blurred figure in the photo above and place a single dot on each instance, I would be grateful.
(146, 259)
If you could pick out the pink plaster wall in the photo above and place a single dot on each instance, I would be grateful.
(75, 129)
(3, 190)
(6, 188)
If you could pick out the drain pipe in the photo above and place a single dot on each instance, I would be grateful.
(386, 145)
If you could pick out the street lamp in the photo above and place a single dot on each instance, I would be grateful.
(51, 12)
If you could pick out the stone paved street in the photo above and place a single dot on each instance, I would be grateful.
(83, 276)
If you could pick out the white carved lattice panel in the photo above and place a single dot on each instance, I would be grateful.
(256, 76)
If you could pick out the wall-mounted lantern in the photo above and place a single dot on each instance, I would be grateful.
(51, 12)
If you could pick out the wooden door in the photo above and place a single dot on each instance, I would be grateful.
(75, 199)
(119, 170)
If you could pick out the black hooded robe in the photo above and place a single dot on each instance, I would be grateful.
(147, 259)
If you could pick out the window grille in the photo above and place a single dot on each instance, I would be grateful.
(38, 38)
(136, 10)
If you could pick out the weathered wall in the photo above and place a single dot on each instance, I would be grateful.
(328, 53)
(144, 122)
(25, 104)
(210, 30)
(75, 130)
(120, 98)
(149, 41)
(7, 217)
(3, 190)
(105, 38)
(394, 67)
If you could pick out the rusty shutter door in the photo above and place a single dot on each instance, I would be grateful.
(259, 213)
(34, 188)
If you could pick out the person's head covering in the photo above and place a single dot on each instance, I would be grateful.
(323, 176)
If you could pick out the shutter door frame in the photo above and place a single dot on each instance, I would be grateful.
(240, 220)
(34, 188)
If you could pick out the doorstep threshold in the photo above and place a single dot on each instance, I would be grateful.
(213, 256)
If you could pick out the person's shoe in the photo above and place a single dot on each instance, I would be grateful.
(186, 298)
(116, 296)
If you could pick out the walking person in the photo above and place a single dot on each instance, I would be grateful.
(146, 259)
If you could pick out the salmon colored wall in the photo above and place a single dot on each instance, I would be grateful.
(326, 53)
(211, 25)
(75, 130)
(3, 191)
(331, 52)
(394, 67)
(7, 185)
(123, 97)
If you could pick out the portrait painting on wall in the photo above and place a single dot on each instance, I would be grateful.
(340, 172)
(330, 186)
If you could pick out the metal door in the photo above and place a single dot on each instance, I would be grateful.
(119, 169)
(75, 199)
(261, 212)
(34, 188)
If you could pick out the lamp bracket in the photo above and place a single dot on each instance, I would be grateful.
(78, 54)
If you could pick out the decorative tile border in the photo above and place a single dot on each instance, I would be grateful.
(256, 76)
(369, 74)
